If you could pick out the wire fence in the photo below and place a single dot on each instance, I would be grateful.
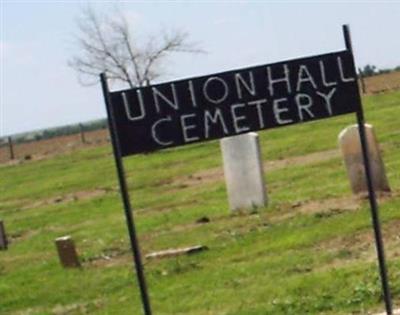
(41, 143)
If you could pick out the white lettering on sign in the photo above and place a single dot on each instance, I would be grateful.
(328, 99)
(342, 76)
(279, 110)
(192, 94)
(155, 135)
(304, 76)
(127, 107)
(250, 86)
(285, 79)
(323, 75)
(157, 95)
(224, 86)
(214, 119)
(304, 102)
(258, 104)
(186, 126)
(237, 119)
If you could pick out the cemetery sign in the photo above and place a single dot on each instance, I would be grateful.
(235, 102)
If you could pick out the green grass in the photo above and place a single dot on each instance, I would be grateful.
(275, 260)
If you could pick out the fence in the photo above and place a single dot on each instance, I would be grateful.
(51, 141)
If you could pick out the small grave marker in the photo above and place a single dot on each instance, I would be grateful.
(67, 252)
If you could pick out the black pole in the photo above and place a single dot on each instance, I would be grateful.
(11, 147)
(125, 198)
(371, 193)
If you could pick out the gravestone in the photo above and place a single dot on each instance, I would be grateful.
(350, 145)
(243, 171)
(67, 252)
(3, 237)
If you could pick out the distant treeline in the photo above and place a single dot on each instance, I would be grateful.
(371, 70)
(56, 131)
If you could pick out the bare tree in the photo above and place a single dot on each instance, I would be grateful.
(107, 45)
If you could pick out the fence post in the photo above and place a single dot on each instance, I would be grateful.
(82, 132)
(361, 77)
(11, 147)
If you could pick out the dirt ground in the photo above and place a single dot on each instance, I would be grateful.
(382, 83)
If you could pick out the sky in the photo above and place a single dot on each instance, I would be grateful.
(39, 90)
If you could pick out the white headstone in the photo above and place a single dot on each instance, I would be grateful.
(350, 144)
(243, 171)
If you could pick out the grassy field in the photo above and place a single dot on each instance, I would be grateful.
(310, 251)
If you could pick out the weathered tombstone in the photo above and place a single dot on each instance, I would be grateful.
(67, 252)
(3, 237)
(349, 142)
(243, 171)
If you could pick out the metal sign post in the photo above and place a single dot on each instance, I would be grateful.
(371, 193)
(125, 198)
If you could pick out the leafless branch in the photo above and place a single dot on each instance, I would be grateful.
(107, 45)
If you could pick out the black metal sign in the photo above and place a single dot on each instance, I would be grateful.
(234, 102)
